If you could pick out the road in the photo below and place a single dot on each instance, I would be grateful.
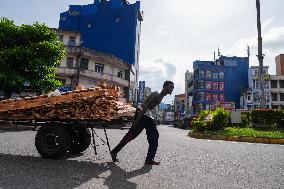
(185, 163)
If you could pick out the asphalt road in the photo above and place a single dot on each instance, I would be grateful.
(185, 163)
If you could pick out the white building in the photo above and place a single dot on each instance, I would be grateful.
(250, 97)
(86, 67)
(188, 93)
(277, 91)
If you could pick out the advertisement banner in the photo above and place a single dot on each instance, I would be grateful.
(222, 97)
(215, 97)
(141, 91)
(208, 96)
(215, 85)
(222, 86)
(208, 85)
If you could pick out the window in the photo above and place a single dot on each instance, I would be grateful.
(249, 97)
(60, 37)
(117, 19)
(201, 84)
(99, 68)
(281, 96)
(208, 74)
(255, 72)
(266, 97)
(69, 62)
(120, 74)
(74, 12)
(273, 83)
(215, 74)
(89, 25)
(201, 73)
(221, 74)
(274, 97)
(84, 63)
(274, 106)
(256, 96)
(63, 18)
(72, 41)
(281, 83)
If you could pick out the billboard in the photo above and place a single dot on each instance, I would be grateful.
(208, 85)
(141, 91)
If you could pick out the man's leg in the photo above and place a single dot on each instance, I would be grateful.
(130, 135)
(152, 137)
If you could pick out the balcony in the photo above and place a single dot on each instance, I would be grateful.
(94, 75)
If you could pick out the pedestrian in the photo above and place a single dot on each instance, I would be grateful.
(144, 119)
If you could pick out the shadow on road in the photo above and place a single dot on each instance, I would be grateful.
(18, 171)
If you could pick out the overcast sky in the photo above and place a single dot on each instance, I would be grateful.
(177, 32)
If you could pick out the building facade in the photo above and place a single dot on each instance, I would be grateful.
(277, 91)
(279, 64)
(179, 106)
(250, 97)
(188, 93)
(86, 67)
(109, 26)
(219, 81)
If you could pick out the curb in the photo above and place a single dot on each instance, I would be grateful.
(238, 138)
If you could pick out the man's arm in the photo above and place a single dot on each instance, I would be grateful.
(145, 107)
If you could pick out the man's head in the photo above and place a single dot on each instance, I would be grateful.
(168, 87)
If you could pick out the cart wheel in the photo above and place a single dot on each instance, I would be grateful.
(52, 141)
(80, 140)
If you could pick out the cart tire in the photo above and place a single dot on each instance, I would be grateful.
(80, 140)
(52, 141)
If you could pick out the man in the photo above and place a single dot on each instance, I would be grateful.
(144, 119)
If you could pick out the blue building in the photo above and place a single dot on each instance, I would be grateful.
(109, 26)
(219, 81)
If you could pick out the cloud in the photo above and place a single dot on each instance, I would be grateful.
(156, 72)
(272, 46)
(267, 23)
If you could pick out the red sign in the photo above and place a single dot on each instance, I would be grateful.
(221, 86)
(208, 85)
(215, 97)
(222, 97)
(215, 85)
(208, 96)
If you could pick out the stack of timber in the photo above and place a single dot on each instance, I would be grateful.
(99, 103)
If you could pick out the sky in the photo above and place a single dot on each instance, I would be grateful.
(177, 32)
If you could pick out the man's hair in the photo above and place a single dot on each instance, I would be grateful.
(166, 83)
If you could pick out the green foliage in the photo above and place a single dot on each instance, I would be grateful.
(198, 123)
(267, 118)
(28, 53)
(221, 119)
(246, 119)
(252, 132)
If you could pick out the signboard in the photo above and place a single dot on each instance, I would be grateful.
(236, 117)
(226, 105)
(141, 91)
(65, 89)
(215, 85)
(221, 86)
(208, 85)
(215, 97)
(222, 97)
(208, 96)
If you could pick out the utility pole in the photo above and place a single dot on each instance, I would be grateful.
(260, 57)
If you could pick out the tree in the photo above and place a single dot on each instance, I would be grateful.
(28, 53)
